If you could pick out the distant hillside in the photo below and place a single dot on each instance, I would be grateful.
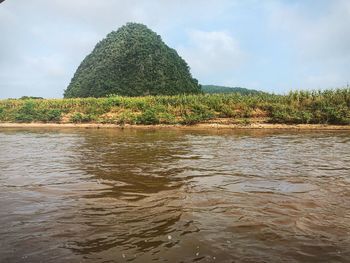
(223, 89)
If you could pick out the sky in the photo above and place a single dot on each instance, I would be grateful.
(271, 45)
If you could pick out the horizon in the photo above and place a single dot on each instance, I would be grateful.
(275, 46)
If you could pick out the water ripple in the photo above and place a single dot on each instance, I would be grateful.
(196, 196)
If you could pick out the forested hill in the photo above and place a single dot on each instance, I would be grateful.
(132, 61)
(223, 89)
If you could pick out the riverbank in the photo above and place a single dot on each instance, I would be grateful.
(199, 126)
(330, 107)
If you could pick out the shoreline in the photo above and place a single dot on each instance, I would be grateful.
(199, 126)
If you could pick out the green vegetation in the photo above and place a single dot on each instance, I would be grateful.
(309, 107)
(222, 89)
(132, 61)
(30, 97)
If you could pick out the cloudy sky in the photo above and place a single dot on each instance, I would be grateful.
(275, 46)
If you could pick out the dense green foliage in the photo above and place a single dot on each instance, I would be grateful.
(30, 97)
(222, 89)
(314, 107)
(132, 61)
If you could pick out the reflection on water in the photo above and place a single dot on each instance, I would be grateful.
(176, 196)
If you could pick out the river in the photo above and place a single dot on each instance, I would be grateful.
(88, 195)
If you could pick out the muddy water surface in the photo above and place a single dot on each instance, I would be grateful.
(75, 195)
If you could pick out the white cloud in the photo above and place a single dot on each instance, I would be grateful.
(212, 53)
(319, 36)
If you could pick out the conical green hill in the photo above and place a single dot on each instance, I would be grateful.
(132, 61)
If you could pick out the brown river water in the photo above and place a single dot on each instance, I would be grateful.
(76, 195)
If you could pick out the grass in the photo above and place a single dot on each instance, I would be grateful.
(299, 107)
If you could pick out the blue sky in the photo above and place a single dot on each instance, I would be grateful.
(275, 45)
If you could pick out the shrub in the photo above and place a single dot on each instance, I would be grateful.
(81, 117)
(202, 111)
(27, 113)
(53, 115)
(191, 119)
(127, 117)
(167, 118)
(2, 111)
(227, 111)
(148, 117)
(337, 115)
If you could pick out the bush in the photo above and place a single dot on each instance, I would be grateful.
(191, 119)
(203, 111)
(337, 115)
(148, 117)
(2, 111)
(27, 113)
(126, 116)
(53, 115)
(81, 117)
(167, 118)
(227, 111)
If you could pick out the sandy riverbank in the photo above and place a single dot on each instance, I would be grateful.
(197, 126)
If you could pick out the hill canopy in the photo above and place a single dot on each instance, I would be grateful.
(223, 89)
(132, 61)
